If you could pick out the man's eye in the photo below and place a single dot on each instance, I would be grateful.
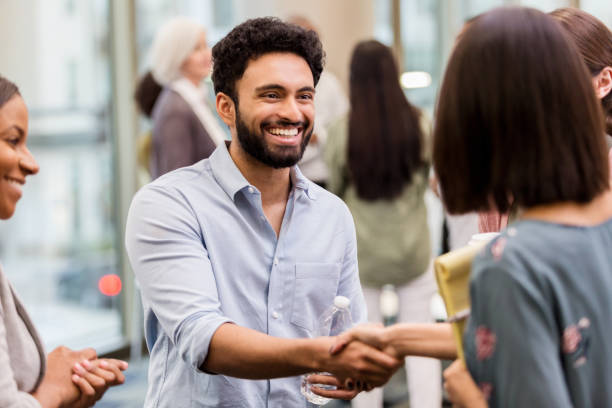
(270, 95)
(13, 141)
(306, 96)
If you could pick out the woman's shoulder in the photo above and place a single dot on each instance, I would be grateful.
(171, 103)
(537, 250)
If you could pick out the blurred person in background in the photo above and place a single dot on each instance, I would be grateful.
(29, 379)
(146, 94)
(379, 165)
(594, 42)
(185, 130)
(331, 104)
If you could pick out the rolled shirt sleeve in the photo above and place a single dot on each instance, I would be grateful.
(166, 250)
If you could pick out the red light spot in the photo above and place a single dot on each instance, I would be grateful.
(110, 285)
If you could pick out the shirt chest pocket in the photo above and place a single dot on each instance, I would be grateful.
(316, 285)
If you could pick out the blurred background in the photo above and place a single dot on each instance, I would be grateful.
(77, 62)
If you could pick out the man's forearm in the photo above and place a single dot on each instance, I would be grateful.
(426, 340)
(245, 353)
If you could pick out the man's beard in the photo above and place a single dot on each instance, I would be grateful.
(255, 144)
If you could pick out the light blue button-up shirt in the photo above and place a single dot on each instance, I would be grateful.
(204, 254)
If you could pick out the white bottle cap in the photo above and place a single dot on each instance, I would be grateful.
(342, 302)
(389, 301)
(482, 238)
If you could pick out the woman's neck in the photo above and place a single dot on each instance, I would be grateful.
(593, 213)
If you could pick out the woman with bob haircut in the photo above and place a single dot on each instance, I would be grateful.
(594, 42)
(521, 124)
(28, 379)
(379, 166)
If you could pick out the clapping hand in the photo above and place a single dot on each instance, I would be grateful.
(93, 378)
(77, 379)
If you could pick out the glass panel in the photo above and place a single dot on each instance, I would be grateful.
(383, 26)
(545, 5)
(422, 47)
(218, 16)
(602, 9)
(61, 240)
(428, 31)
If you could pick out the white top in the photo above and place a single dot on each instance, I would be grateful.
(331, 104)
(195, 97)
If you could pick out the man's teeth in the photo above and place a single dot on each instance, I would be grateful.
(284, 132)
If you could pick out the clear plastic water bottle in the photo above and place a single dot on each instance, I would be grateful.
(333, 321)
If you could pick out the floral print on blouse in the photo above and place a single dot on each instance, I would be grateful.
(541, 317)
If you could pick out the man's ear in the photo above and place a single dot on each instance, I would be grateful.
(603, 82)
(226, 109)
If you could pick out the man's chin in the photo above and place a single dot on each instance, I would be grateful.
(286, 155)
(281, 163)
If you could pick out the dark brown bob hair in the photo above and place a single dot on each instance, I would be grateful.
(384, 133)
(517, 119)
(594, 42)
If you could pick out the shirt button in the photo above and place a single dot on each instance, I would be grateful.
(251, 190)
(275, 315)
(275, 261)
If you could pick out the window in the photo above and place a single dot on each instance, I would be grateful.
(62, 238)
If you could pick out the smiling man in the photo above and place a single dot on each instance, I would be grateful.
(238, 255)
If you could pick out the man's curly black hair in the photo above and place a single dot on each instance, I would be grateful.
(257, 37)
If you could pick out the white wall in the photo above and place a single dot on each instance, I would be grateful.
(341, 24)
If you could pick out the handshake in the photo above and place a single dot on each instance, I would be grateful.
(368, 355)
(359, 360)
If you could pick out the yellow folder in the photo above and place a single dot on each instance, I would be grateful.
(453, 275)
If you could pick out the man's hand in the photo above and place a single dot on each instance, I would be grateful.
(360, 362)
(345, 391)
(461, 388)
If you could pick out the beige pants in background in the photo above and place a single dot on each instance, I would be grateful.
(423, 374)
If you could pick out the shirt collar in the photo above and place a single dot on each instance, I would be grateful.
(231, 179)
(302, 183)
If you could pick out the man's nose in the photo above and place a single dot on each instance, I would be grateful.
(291, 111)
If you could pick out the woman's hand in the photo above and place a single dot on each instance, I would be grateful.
(373, 334)
(60, 388)
(56, 388)
(461, 388)
(93, 378)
